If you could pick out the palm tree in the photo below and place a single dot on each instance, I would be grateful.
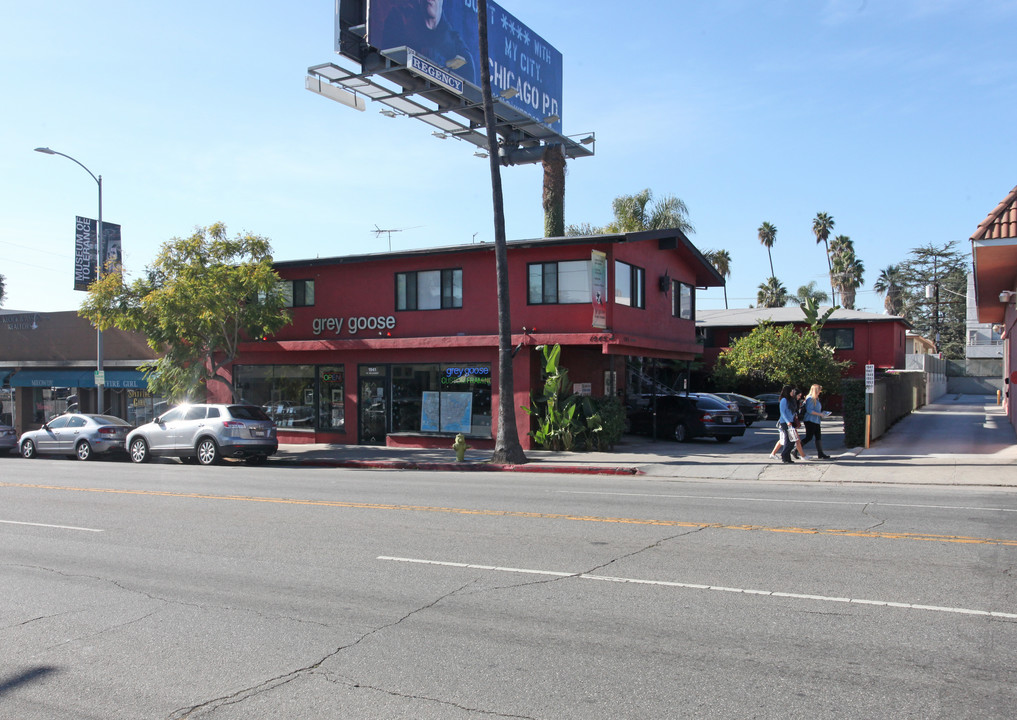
(822, 226)
(554, 190)
(633, 213)
(889, 284)
(772, 294)
(810, 292)
(507, 448)
(721, 260)
(768, 236)
(848, 270)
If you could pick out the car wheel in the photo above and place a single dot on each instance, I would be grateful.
(83, 450)
(208, 451)
(681, 433)
(139, 450)
(724, 438)
(28, 450)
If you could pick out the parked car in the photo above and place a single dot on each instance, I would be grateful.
(685, 417)
(772, 403)
(731, 404)
(8, 439)
(80, 435)
(752, 409)
(206, 432)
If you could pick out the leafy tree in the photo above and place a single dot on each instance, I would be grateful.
(633, 213)
(809, 292)
(822, 226)
(721, 260)
(768, 236)
(201, 297)
(773, 355)
(507, 448)
(889, 285)
(943, 266)
(772, 294)
(3, 290)
(848, 270)
(811, 309)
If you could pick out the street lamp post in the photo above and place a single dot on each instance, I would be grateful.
(99, 385)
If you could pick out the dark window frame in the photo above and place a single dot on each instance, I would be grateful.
(296, 293)
(637, 284)
(550, 285)
(678, 309)
(833, 337)
(447, 286)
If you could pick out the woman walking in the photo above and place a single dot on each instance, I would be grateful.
(788, 436)
(813, 417)
(795, 408)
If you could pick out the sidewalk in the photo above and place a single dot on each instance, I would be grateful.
(959, 440)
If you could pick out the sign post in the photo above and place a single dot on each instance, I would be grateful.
(870, 388)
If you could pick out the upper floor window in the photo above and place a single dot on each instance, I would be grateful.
(838, 338)
(297, 293)
(429, 289)
(683, 300)
(561, 283)
(629, 285)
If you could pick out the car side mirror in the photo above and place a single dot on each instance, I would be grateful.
(157, 419)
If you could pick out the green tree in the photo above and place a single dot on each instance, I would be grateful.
(3, 290)
(889, 285)
(768, 237)
(822, 226)
(201, 297)
(633, 213)
(848, 270)
(773, 355)
(941, 266)
(809, 292)
(772, 294)
(721, 260)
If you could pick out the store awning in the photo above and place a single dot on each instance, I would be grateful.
(115, 379)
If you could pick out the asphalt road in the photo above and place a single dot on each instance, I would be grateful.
(171, 591)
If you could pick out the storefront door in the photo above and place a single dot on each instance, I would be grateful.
(373, 405)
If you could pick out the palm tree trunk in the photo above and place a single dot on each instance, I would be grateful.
(507, 448)
(829, 264)
(554, 191)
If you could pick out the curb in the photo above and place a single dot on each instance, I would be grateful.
(466, 467)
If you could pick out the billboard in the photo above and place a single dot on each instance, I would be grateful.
(444, 32)
(84, 250)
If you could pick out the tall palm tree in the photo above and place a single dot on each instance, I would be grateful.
(822, 226)
(809, 292)
(768, 236)
(554, 191)
(721, 260)
(507, 448)
(848, 270)
(633, 213)
(889, 284)
(772, 294)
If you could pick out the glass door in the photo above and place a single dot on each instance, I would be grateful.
(373, 405)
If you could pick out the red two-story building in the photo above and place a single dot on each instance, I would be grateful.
(402, 347)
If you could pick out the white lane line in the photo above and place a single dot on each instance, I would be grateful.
(58, 527)
(786, 501)
(716, 588)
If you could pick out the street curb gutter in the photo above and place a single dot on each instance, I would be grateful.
(466, 467)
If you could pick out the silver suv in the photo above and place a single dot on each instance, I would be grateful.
(207, 432)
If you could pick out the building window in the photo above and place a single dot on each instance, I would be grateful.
(297, 293)
(559, 283)
(838, 338)
(629, 285)
(284, 392)
(683, 300)
(429, 290)
(449, 398)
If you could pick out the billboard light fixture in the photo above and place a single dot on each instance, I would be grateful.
(551, 119)
(440, 135)
(480, 154)
(455, 63)
(509, 93)
(389, 112)
(588, 140)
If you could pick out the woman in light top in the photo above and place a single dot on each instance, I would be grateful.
(813, 418)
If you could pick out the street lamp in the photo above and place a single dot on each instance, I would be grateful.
(99, 405)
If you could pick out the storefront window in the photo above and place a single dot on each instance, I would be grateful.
(442, 398)
(50, 402)
(331, 398)
(284, 392)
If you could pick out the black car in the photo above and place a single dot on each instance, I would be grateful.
(772, 403)
(751, 408)
(686, 417)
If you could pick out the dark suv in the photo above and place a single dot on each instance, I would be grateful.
(206, 432)
(685, 417)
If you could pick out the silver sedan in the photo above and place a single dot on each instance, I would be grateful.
(79, 435)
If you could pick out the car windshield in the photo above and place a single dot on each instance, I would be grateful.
(248, 412)
(110, 420)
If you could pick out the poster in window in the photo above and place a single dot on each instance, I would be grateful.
(598, 288)
(456, 412)
(430, 412)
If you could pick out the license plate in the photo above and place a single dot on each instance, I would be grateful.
(258, 432)
(725, 419)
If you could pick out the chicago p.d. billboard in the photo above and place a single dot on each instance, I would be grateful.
(445, 33)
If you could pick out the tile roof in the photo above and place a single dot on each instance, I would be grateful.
(1001, 222)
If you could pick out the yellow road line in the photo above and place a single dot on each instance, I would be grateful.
(928, 537)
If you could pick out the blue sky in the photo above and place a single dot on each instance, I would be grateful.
(895, 117)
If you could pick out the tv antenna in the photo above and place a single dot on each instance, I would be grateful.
(378, 231)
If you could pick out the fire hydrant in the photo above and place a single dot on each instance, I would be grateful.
(460, 447)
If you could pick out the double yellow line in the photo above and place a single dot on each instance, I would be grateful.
(927, 537)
